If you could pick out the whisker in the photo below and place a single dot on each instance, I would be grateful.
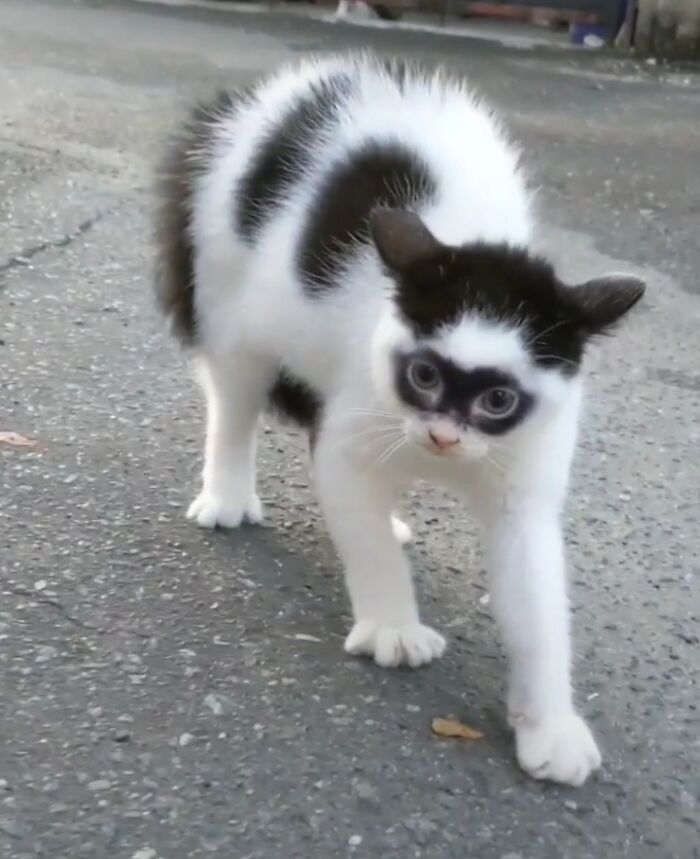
(379, 433)
(371, 412)
(375, 428)
(541, 334)
(391, 450)
(388, 446)
(559, 358)
(504, 452)
(499, 466)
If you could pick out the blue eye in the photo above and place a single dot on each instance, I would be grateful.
(423, 375)
(498, 402)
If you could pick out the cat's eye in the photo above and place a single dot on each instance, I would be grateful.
(424, 376)
(498, 402)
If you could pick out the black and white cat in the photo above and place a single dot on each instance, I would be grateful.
(349, 242)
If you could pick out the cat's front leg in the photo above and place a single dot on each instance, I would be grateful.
(357, 502)
(525, 557)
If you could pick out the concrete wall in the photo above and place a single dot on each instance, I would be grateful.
(668, 28)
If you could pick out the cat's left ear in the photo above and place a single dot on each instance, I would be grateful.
(603, 302)
(402, 239)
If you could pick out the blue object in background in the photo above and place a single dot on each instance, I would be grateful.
(608, 31)
(578, 32)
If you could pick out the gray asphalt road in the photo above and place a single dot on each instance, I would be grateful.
(167, 693)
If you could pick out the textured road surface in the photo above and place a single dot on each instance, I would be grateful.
(168, 693)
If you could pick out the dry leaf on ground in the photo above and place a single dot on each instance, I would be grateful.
(454, 729)
(14, 439)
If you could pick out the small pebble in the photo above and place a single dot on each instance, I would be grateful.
(45, 653)
(214, 704)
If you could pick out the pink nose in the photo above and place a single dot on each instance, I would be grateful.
(442, 442)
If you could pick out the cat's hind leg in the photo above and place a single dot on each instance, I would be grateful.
(236, 391)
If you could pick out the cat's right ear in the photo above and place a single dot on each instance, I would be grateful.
(402, 239)
(602, 302)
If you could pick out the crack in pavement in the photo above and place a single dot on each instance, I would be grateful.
(23, 592)
(25, 256)
(53, 603)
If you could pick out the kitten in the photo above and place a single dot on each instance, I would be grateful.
(349, 242)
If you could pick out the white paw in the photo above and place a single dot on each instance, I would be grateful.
(211, 511)
(559, 749)
(412, 644)
(401, 530)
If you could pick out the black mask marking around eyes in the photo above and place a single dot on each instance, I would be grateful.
(457, 391)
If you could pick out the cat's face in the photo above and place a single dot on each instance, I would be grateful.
(457, 409)
(465, 391)
(483, 339)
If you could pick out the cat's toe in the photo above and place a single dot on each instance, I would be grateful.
(401, 530)
(254, 514)
(560, 749)
(390, 646)
(212, 511)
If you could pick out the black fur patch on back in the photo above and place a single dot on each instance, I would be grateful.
(496, 282)
(286, 153)
(294, 399)
(186, 159)
(379, 173)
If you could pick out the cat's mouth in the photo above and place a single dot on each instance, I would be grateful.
(443, 443)
(447, 442)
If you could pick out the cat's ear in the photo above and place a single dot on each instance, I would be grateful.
(603, 302)
(402, 239)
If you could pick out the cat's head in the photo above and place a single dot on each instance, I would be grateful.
(484, 338)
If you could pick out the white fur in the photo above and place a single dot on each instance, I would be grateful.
(401, 530)
(253, 317)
